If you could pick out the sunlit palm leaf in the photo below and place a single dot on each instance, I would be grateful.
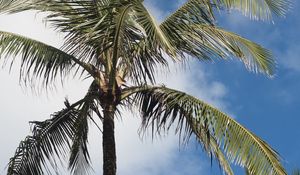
(255, 57)
(206, 41)
(191, 30)
(191, 13)
(161, 107)
(156, 39)
(256, 9)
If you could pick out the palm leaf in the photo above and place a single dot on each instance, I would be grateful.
(32, 153)
(77, 19)
(160, 107)
(210, 145)
(255, 9)
(38, 60)
(79, 161)
(52, 139)
(224, 43)
(296, 172)
(156, 39)
(193, 12)
(205, 41)
(192, 31)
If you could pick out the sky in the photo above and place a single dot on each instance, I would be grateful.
(268, 107)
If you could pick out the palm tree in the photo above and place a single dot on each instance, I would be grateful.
(118, 46)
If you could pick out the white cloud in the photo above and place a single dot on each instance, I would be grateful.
(134, 156)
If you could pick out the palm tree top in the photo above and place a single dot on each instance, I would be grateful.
(119, 46)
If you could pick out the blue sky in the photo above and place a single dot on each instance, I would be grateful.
(268, 107)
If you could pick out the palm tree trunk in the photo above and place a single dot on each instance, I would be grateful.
(108, 142)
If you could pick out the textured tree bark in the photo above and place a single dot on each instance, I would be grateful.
(108, 142)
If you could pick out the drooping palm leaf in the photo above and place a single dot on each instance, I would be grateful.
(52, 139)
(255, 9)
(76, 19)
(160, 107)
(210, 145)
(296, 172)
(206, 42)
(38, 60)
(192, 31)
(79, 161)
(226, 44)
(32, 154)
(156, 39)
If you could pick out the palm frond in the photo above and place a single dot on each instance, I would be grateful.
(256, 9)
(207, 42)
(193, 12)
(225, 44)
(210, 145)
(160, 107)
(192, 31)
(296, 172)
(52, 139)
(77, 19)
(39, 61)
(79, 161)
(156, 39)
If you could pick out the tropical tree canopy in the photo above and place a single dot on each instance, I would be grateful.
(118, 45)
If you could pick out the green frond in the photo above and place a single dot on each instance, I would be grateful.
(156, 39)
(192, 31)
(218, 153)
(296, 172)
(256, 9)
(38, 60)
(193, 12)
(210, 145)
(160, 107)
(208, 42)
(79, 161)
(78, 20)
(226, 44)
(52, 139)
